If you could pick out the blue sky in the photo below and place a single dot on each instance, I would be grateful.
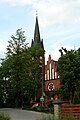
(59, 22)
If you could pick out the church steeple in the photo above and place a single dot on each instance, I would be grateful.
(36, 32)
(37, 39)
(41, 59)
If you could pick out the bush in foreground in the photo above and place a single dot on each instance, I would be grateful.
(4, 116)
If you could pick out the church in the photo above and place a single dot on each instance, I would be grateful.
(49, 75)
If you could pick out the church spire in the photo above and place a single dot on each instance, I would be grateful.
(36, 32)
(37, 39)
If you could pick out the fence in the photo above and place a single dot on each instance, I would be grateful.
(71, 109)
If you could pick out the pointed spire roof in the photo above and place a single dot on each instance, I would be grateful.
(36, 32)
(37, 39)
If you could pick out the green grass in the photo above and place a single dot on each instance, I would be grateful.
(65, 117)
(46, 118)
(4, 116)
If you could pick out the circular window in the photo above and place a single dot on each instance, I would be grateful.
(51, 87)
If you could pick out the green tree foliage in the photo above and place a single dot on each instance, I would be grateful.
(69, 72)
(76, 98)
(20, 71)
(36, 53)
(1, 88)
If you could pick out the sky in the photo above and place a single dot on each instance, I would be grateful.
(59, 23)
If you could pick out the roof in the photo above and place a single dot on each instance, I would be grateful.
(37, 39)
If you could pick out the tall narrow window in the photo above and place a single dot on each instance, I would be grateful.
(50, 71)
(45, 76)
(48, 74)
(55, 75)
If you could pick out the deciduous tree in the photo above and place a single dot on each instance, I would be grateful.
(69, 72)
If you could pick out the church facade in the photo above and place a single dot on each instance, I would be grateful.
(52, 82)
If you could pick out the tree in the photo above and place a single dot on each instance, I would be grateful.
(21, 69)
(69, 72)
(35, 71)
(16, 65)
(1, 88)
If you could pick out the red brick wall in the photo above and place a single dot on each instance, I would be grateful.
(51, 76)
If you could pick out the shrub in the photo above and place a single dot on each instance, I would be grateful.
(4, 116)
(76, 99)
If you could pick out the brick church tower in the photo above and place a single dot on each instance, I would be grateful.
(38, 41)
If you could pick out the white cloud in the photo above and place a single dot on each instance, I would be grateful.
(3, 45)
(53, 12)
